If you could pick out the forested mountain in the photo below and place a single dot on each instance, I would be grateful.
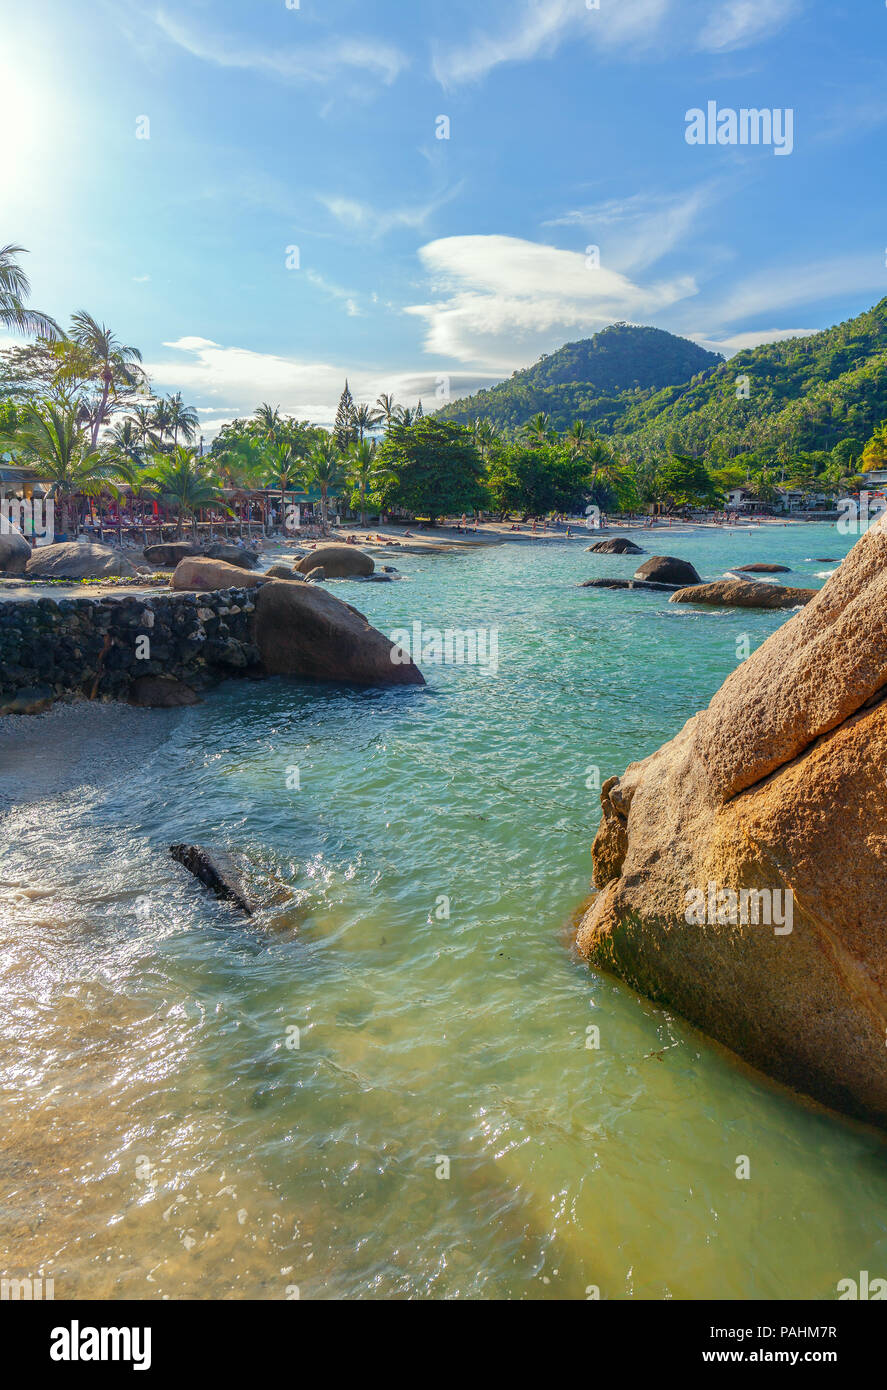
(589, 379)
(773, 401)
(801, 394)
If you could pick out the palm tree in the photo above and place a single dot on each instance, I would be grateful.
(15, 288)
(578, 437)
(365, 472)
(485, 436)
(51, 437)
(366, 418)
(388, 409)
(323, 469)
(183, 419)
(285, 466)
(108, 360)
(144, 423)
(179, 478)
(538, 428)
(269, 419)
(161, 421)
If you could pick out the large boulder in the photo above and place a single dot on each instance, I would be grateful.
(168, 555)
(15, 552)
(303, 630)
(666, 569)
(233, 555)
(78, 560)
(199, 573)
(767, 811)
(744, 593)
(337, 561)
(615, 545)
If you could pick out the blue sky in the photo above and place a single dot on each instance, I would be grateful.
(429, 264)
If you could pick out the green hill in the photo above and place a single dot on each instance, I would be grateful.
(589, 379)
(804, 394)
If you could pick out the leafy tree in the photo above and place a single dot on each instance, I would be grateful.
(687, 481)
(437, 470)
(874, 455)
(538, 478)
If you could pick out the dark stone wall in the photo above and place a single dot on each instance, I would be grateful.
(52, 649)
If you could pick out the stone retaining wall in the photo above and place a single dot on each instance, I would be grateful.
(54, 649)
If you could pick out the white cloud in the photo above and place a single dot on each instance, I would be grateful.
(737, 342)
(783, 286)
(305, 63)
(737, 23)
(539, 30)
(636, 232)
(227, 382)
(361, 217)
(503, 301)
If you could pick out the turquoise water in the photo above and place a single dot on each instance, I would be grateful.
(162, 1134)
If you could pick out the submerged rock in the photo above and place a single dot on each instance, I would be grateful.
(218, 871)
(78, 560)
(162, 692)
(744, 593)
(776, 790)
(761, 569)
(303, 630)
(615, 545)
(338, 561)
(627, 584)
(667, 569)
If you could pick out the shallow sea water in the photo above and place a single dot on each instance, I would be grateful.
(162, 1135)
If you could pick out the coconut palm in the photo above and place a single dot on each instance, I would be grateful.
(366, 473)
(143, 420)
(15, 287)
(578, 437)
(52, 439)
(323, 469)
(485, 436)
(538, 428)
(366, 419)
(182, 480)
(388, 409)
(183, 419)
(269, 420)
(106, 360)
(285, 466)
(161, 421)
